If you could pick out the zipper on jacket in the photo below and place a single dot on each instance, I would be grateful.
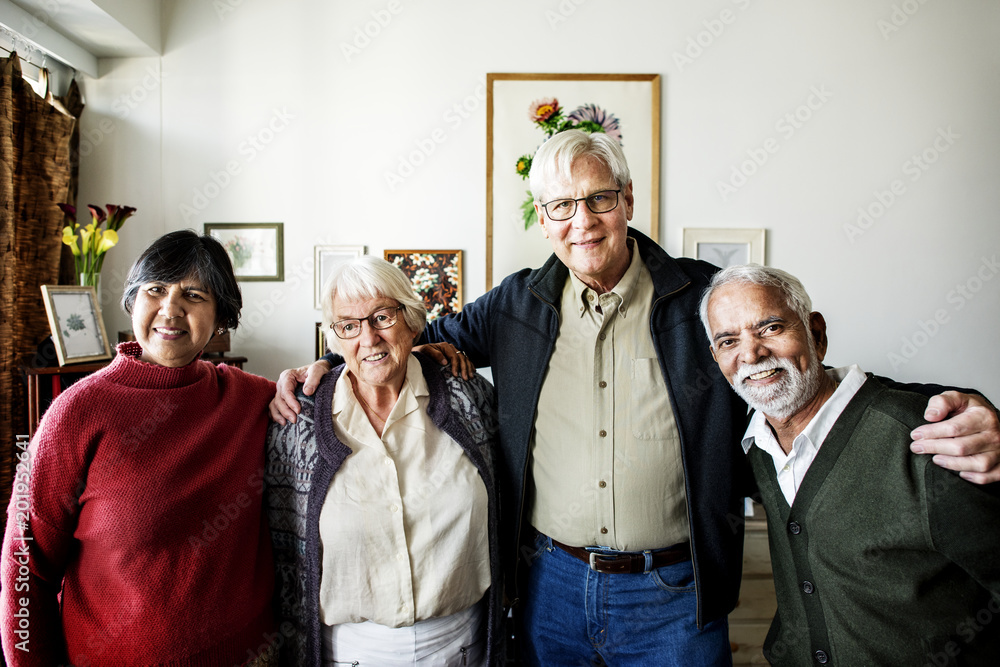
(687, 494)
(527, 464)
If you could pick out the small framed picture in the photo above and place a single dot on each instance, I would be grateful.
(321, 348)
(436, 275)
(257, 249)
(75, 321)
(326, 259)
(725, 247)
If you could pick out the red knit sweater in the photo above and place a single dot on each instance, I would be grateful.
(143, 507)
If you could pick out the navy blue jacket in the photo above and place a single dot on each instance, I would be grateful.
(513, 329)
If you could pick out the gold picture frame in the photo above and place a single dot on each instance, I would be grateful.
(633, 100)
(321, 348)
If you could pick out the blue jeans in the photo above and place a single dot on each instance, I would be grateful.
(574, 616)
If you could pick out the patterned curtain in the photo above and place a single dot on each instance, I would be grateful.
(36, 173)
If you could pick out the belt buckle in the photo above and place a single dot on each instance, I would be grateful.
(593, 561)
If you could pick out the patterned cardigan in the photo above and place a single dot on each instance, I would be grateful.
(302, 459)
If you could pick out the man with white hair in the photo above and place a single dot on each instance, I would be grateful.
(879, 556)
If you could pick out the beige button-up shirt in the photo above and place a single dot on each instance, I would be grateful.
(404, 524)
(606, 460)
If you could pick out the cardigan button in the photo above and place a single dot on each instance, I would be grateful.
(807, 587)
(794, 528)
(821, 657)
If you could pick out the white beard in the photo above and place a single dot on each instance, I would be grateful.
(782, 399)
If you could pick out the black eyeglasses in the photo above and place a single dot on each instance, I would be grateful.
(599, 202)
(383, 318)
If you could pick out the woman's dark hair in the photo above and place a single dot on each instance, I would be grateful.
(177, 255)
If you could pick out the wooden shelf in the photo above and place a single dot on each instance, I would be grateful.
(56, 373)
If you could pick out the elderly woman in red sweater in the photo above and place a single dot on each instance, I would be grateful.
(139, 538)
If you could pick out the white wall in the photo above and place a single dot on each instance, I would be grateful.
(329, 127)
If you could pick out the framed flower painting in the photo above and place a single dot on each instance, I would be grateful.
(255, 248)
(522, 111)
(436, 276)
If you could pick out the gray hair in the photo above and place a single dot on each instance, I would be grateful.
(796, 297)
(370, 277)
(555, 158)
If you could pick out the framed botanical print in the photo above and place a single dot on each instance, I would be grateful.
(436, 275)
(75, 321)
(725, 247)
(255, 248)
(524, 110)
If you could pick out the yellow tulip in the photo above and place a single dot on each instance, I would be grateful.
(69, 238)
(107, 242)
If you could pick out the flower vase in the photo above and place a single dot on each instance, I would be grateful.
(91, 280)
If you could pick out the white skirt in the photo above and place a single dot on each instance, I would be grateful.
(448, 641)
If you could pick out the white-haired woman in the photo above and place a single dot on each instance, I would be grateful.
(382, 495)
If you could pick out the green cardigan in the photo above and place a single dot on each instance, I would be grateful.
(884, 557)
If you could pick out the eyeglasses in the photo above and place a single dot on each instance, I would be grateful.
(383, 318)
(599, 202)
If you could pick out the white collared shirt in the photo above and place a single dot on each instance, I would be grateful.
(792, 467)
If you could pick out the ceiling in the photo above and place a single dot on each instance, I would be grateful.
(78, 31)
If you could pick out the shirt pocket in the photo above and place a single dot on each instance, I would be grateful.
(650, 414)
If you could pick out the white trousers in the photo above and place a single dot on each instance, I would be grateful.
(448, 641)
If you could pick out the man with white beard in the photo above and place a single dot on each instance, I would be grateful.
(879, 556)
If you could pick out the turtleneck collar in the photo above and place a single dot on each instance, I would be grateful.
(128, 370)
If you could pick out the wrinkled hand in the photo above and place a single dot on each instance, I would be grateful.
(284, 405)
(968, 441)
(446, 353)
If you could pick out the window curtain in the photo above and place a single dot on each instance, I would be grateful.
(37, 171)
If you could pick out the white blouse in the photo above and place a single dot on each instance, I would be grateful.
(404, 525)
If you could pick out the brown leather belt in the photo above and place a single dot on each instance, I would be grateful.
(629, 562)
